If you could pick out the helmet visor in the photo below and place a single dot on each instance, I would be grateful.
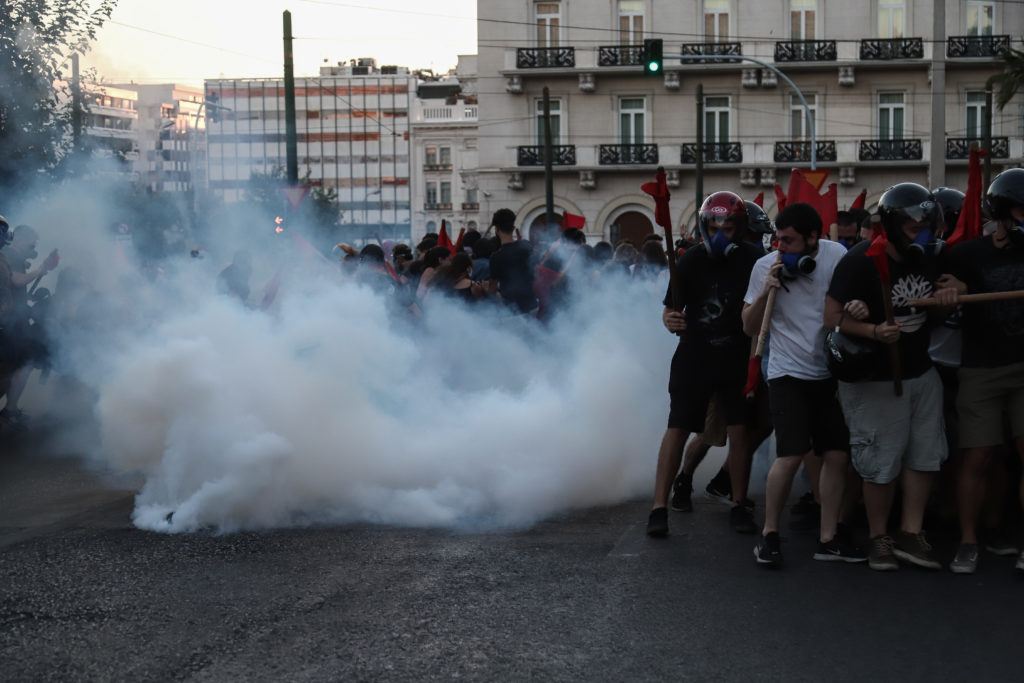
(925, 212)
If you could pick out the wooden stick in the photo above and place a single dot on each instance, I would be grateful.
(972, 298)
(766, 319)
(894, 348)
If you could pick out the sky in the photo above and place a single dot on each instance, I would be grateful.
(191, 40)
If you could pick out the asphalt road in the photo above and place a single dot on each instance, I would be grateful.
(85, 596)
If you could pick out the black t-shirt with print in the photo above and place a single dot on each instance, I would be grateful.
(856, 277)
(512, 267)
(993, 330)
(712, 290)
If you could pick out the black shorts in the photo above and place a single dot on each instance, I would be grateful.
(697, 374)
(807, 415)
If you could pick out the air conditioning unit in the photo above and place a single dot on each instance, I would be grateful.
(367, 61)
(389, 70)
(360, 71)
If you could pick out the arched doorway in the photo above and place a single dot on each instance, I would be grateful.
(630, 225)
(540, 232)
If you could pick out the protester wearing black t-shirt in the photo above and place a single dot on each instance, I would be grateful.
(512, 265)
(712, 352)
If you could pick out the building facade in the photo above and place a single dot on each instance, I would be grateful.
(111, 129)
(896, 91)
(171, 140)
(353, 135)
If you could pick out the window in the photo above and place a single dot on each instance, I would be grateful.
(890, 116)
(716, 119)
(445, 158)
(716, 20)
(548, 23)
(556, 121)
(890, 19)
(430, 156)
(800, 128)
(801, 19)
(471, 195)
(979, 18)
(446, 192)
(431, 226)
(975, 114)
(431, 193)
(631, 22)
(631, 120)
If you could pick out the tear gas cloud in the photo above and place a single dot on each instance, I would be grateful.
(326, 408)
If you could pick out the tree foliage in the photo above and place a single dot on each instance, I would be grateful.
(1006, 84)
(37, 39)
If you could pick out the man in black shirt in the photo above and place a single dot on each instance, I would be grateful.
(512, 265)
(712, 352)
(992, 366)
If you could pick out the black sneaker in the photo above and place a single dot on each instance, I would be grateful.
(681, 490)
(840, 550)
(657, 523)
(805, 505)
(767, 551)
(742, 519)
(720, 488)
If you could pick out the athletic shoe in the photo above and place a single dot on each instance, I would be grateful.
(881, 557)
(720, 488)
(768, 552)
(805, 505)
(806, 514)
(742, 520)
(657, 523)
(915, 549)
(681, 490)
(1020, 562)
(1001, 546)
(966, 560)
(747, 503)
(840, 550)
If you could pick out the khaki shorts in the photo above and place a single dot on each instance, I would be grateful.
(985, 394)
(889, 432)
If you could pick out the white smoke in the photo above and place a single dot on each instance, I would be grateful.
(329, 409)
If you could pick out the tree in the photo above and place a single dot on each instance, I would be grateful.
(1006, 84)
(37, 38)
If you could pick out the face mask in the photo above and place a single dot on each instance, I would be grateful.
(797, 264)
(720, 245)
(924, 243)
(845, 242)
(1016, 235)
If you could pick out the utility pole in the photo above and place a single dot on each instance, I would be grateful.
(699, 171)
(986, 142)
(549, 187)
(291, 137)
(937, 162)
(76, 102)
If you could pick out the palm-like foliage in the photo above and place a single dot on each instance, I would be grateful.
(1006, 84)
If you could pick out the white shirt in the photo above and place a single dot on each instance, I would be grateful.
(797, 342)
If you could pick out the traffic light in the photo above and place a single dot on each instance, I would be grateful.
(213, 107)
(651, 56)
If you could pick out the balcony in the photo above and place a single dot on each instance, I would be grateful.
(533, 155)
(435, 206)
(724, 49)
(790, 151)
(960, 148)
(437, 167)
(714, 153)
(805, 51)
(470, 206)
(619, 55)
(977, 46)
(545, 57)
(623, 155)
(890, 150)
(891, 48)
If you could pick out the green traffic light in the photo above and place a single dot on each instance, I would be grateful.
(653, 66)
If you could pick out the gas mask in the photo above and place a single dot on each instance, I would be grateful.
(794, 265)
(924, 243)
(720, 245)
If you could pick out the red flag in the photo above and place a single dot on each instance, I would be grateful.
(391, 271)
(800, 190)
(659, 190)
(270, 290)
(571, 220)
(458, 241)
(828, 207)
(858, 203)
(753, 375)
(543, 281)
(780, 197)
(877, 252)
(307, 249)
(968, 226)
(443, 240)
(759, 199)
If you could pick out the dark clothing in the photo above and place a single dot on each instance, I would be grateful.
(234, 280)
(807, 415)
(695, 378)
(512, 267)
(993, 330)
(856, 277)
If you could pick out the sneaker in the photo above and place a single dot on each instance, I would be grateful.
(1020, 562)
(806, 514)
(720, 488)
(741, 519)
(657, 523)
(840, 550)
(768, 552)
(805, 505)
(915, 549)
(881, 557)
(681, 490)
(966, 560)
(1001, 546)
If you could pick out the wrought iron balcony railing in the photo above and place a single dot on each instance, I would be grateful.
(788, 151)
(977, 46)
(533, 155)
(436, 206)
(805, 51)
(725, 49)
(545, 57)
(714, 153)
(892, 48)
(620, 155)
(960, 148)
(619, 55)
(890, 150)
(437, 167)
(470, 206)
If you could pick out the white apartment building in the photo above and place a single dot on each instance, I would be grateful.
(895, 88)
(444, 183)
(111, 127)
(171, 141)
(353, 135)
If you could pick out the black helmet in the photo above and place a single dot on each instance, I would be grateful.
(757, 219)
(1005, 192)
(906, 202)
(950, 202)
(849, 359)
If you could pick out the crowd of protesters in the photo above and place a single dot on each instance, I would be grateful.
(901, 400)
